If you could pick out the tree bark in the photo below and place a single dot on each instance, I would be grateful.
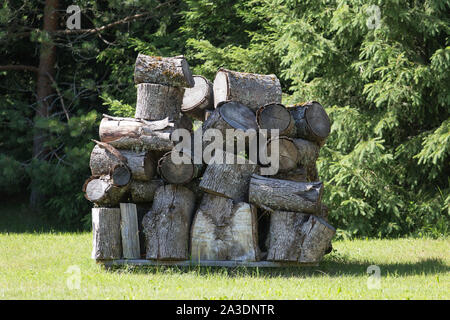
(166, 225)
(175, 173)
(102, 191)
(228, 180)
(275, 116)
(274, 194)
(169, 71)
(224, 230)
(288, 153)
(144, 191)
(251, 89)
(106, 234)
(129, 231)
(157, 102)
(44, 91)
(141, 165)
(198, 99)
(311, 122)
(298, 237)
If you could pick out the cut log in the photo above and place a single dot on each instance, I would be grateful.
(198, 99)
(170, 71)
(144, 191)
(102, 191)
(106, 234)
(251, 89)
(275, 194)
(178, 173)
(298, 237)
(308, 154)
(288, 153)
(157, 102)
(167, 224)
(298, 174)
(311, 122)
(141, 164)
(276, 116)
(129, 231)
(224, 230)
(229, 180)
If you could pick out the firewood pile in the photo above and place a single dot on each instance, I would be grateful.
(149, 207)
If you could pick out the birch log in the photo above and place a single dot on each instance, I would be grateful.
(102, 191)
(275, 194)
(298, 237)
(311, 122)
(224, 230)
(166, 225)
(251, 89)
(198, 99)
(170, 71)
(229, 180)
(141, 164)
(106, 234)
(157, 102)
(129, 231)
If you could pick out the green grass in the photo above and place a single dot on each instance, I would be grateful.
(34, 265)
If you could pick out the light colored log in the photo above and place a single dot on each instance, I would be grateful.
(251, 89)
(157, 102)
(129, 231)
(102, 191)
(298, 237)
(224, 230)
(106, 234)
(198, 99)
(275, 194)
(170, 71)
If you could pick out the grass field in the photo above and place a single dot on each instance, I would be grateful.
(45, 264)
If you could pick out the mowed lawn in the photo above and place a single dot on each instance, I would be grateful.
(45, 265)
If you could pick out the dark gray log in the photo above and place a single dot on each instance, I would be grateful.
(228, 180)
(198, 99)
(141, 165)
(157, 102)
(144, 191)
(170, 71)
(276, 116)
(224, 230)
(102, 191)
(106, 234)
(311, 122)
(298, 237)
(275, 194)
(251, 89)
(166, 225)
(178, 173)
(298, 174)
(129, 231)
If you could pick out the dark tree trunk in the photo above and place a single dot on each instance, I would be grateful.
(44, 90)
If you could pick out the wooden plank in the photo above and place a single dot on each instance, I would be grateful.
(129, 231)
(204, 263)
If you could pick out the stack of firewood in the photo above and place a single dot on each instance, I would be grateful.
(148, 206)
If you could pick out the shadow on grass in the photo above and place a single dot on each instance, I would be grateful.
(332, 266)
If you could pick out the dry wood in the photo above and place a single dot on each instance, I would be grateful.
(298, 237)
(288, 155)
(178, 173)
(102, 191)
(224, 230)
(198, 99)
(275, 194)
(166, 225)
(141, 164)
(157, 102)
(129, 231)
(275, 116)
(170, 71)
(311, 122)
(144, 191)
(106, 234)
(251, 89)
(229, 180)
